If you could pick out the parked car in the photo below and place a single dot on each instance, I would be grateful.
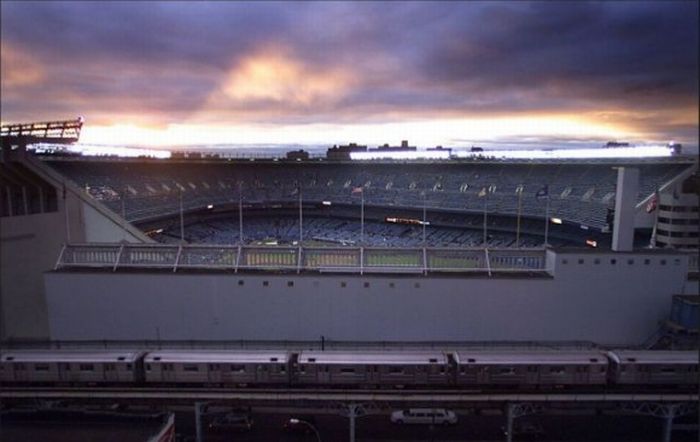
(426, 416)
(232, 422)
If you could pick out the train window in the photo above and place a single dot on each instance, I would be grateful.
(157, 358)
(187, 367)
(238, 368)
(416, 285)
(432, 360)
(266, 283)
(471, 360)
(613, 261)
(366, 284)
(396, 370)
(273, 359)
(241, 282)
(87, 367)
(283, 369)
(391, 285)
(312, 359)
(10, 358)
(631, 359)
(596, 261)
(128, 367)
(668, 370)
(630, 261)
(647, 261)
(121, 358)
(290, 283)
(462, 370)
(347, 370)
(41, 367)
(557, 370)
(564, 261)
(593, 359)
(343, 284)
(581, 261)
(148, 367)
(677, 261)
(663, 262)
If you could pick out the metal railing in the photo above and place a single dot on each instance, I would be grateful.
(301, 259)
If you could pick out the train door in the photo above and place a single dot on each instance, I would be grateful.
(323, 374)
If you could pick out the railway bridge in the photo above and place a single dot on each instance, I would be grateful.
(354, 404)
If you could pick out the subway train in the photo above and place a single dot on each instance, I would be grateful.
(468, 369)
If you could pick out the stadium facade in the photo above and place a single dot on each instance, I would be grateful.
(54, 289)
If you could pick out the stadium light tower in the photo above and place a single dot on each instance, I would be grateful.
(57, 132)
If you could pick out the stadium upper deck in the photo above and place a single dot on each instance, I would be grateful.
(580, 192)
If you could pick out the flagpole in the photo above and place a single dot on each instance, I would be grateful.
(301, 219)
(520, 207)
(182, 220)
(240, 213)
(486, 199)
(546, 223)
(424, 218)
(362, 216)
(652, 240)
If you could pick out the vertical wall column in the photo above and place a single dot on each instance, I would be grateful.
(625, 202)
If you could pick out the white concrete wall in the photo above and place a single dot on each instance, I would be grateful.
(617, 303)
(29, 246)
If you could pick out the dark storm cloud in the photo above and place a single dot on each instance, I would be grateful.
(635, 54)
(471, 58)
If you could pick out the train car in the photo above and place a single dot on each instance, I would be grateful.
(371, 368)
(217, 367)
(71, 366)
(654, 367)
(530, 368)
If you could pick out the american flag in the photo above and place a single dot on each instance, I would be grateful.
(653, 203)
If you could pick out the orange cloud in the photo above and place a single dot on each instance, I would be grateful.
(18, 68)
(272, 75)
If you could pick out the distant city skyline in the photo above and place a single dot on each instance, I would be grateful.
(320, 73)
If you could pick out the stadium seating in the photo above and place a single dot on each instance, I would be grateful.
(578, 192)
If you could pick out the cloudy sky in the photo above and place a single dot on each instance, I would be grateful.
(326, 72)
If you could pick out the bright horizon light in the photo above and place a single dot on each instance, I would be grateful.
(610, 152)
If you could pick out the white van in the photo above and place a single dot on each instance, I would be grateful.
(426, 416)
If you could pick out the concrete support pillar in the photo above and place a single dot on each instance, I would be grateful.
(625, 202)
(352, 412)
(198, 407)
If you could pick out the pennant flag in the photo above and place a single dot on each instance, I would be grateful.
(543, 192)
(482, 192)
(356, 190)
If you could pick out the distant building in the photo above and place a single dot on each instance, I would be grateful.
(440, 149)
(343, 152)
(295, 155)
(404, 147)
(616, 144)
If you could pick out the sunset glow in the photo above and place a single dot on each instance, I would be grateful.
(177, 73)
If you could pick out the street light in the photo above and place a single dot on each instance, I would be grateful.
(308, 424)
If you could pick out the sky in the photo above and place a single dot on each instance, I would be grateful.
(452, 73)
